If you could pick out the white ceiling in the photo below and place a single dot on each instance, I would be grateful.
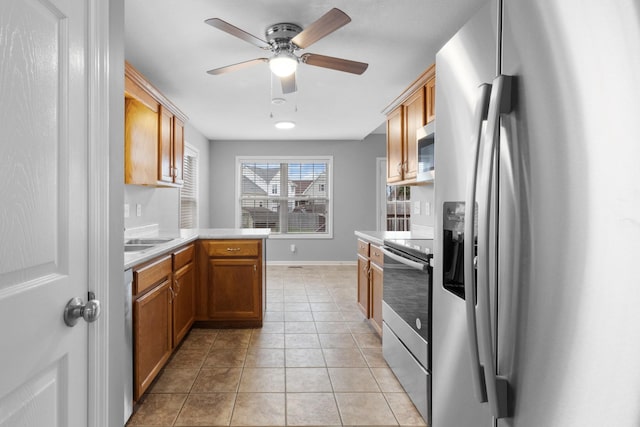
(168, 41)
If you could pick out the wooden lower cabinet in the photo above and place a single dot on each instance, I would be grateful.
(163, 312)
(231, 283)
(184, 294)
(234, 289)
(363, 285)
(152, 335)
(370, 278)
(376, 296)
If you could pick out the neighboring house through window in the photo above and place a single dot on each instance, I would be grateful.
(290, 195)
(189, 190)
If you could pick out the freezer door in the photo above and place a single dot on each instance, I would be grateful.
(570, 229)
(464, 63)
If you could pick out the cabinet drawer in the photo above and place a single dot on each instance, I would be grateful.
(150, 274)
(182, 257)
(375, 255)
(233, 248)
(363, 248)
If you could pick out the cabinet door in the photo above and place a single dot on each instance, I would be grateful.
(165, 154)
(140, 143)
(395, 137)
(178, 150)
(414, 118)
(430, 88)
(376, 296)
(152, 335)
(234, 289)
(363, 285)
(184, 308)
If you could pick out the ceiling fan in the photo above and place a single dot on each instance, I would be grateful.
(283, 40)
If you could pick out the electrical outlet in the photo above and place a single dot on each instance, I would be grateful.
(126, 210)
(138, 209)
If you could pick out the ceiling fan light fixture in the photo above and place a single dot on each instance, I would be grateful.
(283, 64)
(285, 124)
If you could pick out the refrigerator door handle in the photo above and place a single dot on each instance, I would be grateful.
(500, 103)
(477, 373)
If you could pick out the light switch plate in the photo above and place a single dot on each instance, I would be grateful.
(427, 208)
(416, 208)
(138, 209)
(126, 210)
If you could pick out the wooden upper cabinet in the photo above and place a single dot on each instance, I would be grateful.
(414, 118)
(395, 145)
(140, 142)
(161, 162)
(165, 143)
(430, 89)
(171, 148)
(178, 151)
(410, 111)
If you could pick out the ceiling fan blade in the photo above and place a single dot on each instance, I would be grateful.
(235, 67)
(333, 63)
(327, 24)
(288, 84)
(235, 31)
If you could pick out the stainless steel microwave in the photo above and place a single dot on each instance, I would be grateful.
(425, 146)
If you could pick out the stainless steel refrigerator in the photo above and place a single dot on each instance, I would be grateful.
(536, 299)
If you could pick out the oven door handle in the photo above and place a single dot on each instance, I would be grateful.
(477, 371)
(415, 265)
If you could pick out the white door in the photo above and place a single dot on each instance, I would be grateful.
(43, 212)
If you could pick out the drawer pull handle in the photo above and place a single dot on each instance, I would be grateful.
(233, 249)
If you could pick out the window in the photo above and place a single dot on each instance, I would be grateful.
(291, 196)
(393, 202)
(398, 202)
(189, 190)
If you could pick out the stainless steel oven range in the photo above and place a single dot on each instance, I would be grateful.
(406, 317)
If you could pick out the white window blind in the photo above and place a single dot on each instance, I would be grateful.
(189, 190)
(291, 196)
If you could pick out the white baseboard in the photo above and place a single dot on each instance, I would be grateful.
(296, 263)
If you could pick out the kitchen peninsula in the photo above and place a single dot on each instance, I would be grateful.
(206, 277)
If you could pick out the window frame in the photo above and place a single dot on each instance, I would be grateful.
(191, 151)
(328, 160)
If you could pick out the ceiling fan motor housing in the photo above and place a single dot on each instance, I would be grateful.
(279, 36)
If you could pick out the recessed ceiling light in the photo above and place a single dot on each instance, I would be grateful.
(278, 101)
(285, 125)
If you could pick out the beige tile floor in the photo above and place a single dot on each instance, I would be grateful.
(316, 361)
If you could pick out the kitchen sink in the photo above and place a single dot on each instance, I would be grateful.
(136, 248)
(146, 241)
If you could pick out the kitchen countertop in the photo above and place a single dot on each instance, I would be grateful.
(184, 236)
(378, 237)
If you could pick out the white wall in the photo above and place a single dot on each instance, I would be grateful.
(162, 205)
(354, 192)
